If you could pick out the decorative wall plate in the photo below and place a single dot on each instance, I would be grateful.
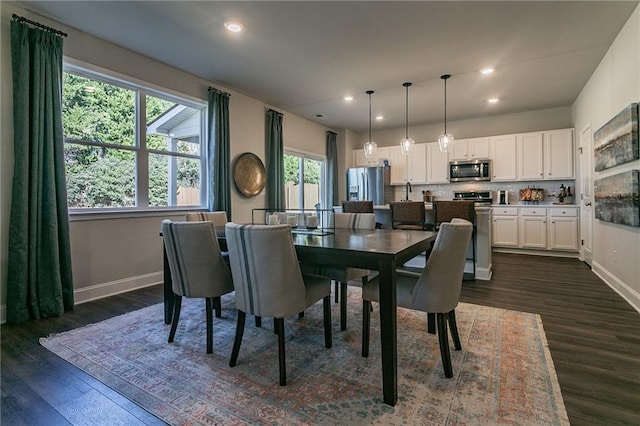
(249, 174)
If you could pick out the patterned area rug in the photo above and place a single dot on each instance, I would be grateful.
(503, 375)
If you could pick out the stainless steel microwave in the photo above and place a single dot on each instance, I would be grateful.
(474, 170)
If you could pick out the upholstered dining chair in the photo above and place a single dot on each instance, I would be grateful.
(435, 290)
(197, 268)
(446, 211)
(342, 275)
(357, 206)
(219, 219)
(268, 282)
(408, 215)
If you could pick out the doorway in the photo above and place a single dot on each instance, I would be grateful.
(586, 195)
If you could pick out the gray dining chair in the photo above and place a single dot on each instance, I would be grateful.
(435, 290)
(197, 268)
(268, 282)
(343, 275)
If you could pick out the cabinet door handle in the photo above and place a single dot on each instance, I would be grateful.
(588, 203)
(541, 174)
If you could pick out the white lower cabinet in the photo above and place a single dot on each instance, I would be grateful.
(505, 227)
(539, 228)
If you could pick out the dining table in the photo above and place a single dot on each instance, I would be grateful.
(382, 250)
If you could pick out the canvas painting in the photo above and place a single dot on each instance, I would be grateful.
(617, 141)
(617, 198)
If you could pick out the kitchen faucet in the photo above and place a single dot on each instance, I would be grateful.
(407, 190)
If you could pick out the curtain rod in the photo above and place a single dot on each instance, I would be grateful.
(272, 110)
(211, 88)
(37, 24)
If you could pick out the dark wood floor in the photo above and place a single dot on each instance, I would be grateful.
(593, 335)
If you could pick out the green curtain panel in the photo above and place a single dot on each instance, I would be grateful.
(275, 160)
(219, 154)
(332, 170)
(39, 277)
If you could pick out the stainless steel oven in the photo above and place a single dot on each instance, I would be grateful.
(475, 170)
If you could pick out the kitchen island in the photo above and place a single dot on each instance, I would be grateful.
(483, 238)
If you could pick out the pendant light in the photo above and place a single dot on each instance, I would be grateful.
(370, 146)
(406, 143)
(445, 139)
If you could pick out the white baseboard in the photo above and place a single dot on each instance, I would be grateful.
(483, 273)
(533, 252)
(98, 291)
(627, 293)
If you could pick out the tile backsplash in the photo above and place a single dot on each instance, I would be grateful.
(445, 191)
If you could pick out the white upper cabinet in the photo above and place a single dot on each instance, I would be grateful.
(408, 168)
(530, 159)
(559, 154)
(469, 149)
(437, 164)
(359, 160)
(546, 155)
(502, 151)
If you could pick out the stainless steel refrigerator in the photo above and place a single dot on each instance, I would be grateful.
(369, 183)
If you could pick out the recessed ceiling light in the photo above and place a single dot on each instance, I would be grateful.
(493, 100)
(348, 98)
(486, 71)
(234, 27)
(379, 117)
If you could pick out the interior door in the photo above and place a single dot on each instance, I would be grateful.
(586, 194)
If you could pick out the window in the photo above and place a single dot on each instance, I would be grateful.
(304, 181)
(113, 162)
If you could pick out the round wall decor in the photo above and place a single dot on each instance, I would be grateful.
(249, 174)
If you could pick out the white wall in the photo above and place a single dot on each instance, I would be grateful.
(614, 85)
(116, 253)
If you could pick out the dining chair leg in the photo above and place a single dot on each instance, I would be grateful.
(177, 304)
(343, 306)
(443, 338)
(366, 325)
(326, 313)
(275, 326)
(279, 325)
(217, 305)
(209, 302)
(431, 323)
(451, 316)
(258, 321)
(238, 339)
(336, 290)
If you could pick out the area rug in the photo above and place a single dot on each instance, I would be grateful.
(503, 374)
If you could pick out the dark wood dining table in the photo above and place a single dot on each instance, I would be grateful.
(381, 250)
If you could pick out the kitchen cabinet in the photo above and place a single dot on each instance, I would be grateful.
(505, 227)
(559, 154)
(533, 227)
(437, 164)
(502, 151)
(563, 229)
(530, 158)
(469, 149)
(546, 155)
(359, 160)
(408, 168)
(548, 228)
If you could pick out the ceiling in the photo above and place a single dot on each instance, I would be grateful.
(305, 56)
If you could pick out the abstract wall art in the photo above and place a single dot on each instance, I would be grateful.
(617, 198)
(617, 141)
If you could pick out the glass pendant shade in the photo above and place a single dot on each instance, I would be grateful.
(406, 143)
(445, 139)
(370, 146)
(370, 149)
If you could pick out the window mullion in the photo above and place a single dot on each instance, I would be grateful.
(142, 159)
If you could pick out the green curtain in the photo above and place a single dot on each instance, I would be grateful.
(332, 170)
(219, 153)
(275, 160)
(39, 277)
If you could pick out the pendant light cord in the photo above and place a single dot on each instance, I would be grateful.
(369, 92)
(445, 77)
(406, 110)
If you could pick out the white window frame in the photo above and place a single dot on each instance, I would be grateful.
(323, 171)
(142, 89)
